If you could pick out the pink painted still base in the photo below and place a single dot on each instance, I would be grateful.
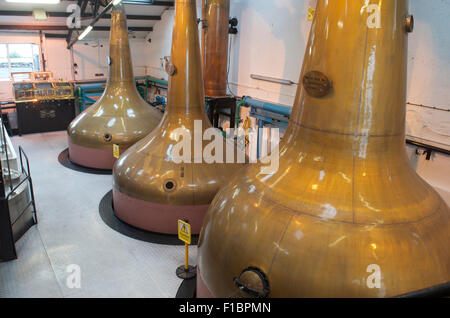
(202, 290)
(91, 157)
(156, 217)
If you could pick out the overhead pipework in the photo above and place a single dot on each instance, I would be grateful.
(345, 215)
(120, 117)
(153, 188)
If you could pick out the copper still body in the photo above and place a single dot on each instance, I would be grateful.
(120, 116)
(216, 47)
(152, 189)
(345, 215)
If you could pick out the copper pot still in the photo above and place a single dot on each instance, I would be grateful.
(152, 189)
(217, 16)
(345, 215)
(120, 116)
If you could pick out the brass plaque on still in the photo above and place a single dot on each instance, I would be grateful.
(316, 84)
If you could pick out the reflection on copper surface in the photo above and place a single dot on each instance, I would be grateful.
(152, 190)
(120, 116)
(351, 218)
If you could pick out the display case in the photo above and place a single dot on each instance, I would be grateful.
(44, 106)
(23, 92)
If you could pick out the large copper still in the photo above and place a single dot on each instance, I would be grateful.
(216, 47)
(345, 215)
(120, 116)
(152, 189)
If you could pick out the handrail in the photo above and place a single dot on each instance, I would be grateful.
(7, 155)
(28, 174)
(429, 148)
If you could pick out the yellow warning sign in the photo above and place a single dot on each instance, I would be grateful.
(311, 13)
(116, 151)
(184, 232)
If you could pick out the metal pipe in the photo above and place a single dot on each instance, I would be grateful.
(272, 79)
(52, 14)
(274, 108)
(204, 27)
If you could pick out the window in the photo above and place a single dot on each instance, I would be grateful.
(4, 65)
(18, 58)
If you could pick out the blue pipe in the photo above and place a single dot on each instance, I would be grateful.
(261, 120)
(92, 87)
(274, 108)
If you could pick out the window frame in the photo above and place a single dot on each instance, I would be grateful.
(9, 58)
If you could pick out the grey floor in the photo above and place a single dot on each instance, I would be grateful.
(70, 231)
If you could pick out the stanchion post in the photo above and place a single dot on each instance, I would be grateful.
(184, 234)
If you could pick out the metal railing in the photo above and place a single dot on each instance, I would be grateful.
(7, 237)
(27, 178)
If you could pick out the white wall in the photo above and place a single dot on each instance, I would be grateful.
(429, 54)
(271, 42)
(6, 92)
(89, 55)
(58, 58)
(160, 45)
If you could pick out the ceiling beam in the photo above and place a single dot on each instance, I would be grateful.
(136, 29)
(34, 27)
(150, 3)
(55, 35)
(84, 15)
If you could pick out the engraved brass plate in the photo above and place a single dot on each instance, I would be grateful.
(316, 84)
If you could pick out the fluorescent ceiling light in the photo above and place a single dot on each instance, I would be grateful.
(39, 14)
(85, 32)
(116, 2)
(272, 79)
(35, 1)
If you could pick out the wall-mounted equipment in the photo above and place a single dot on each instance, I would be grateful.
(233, 26)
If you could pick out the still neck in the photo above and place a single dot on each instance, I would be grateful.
(186, 81)
(120, 65)
(361, 48)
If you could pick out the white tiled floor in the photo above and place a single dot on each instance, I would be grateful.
(70, 231)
